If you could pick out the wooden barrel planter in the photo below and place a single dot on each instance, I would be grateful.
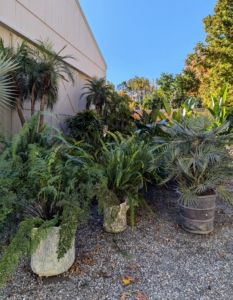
(198, 216)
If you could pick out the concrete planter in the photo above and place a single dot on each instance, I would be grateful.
(44, 260)
(115, 218)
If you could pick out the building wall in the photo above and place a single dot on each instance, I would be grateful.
(64, 23)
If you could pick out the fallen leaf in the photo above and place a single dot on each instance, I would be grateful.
(209, 287)
(132, 267)
(220, 211)
(94, 296)
(113, 246)
(211, 233)
(168, 240)
(113, 266)
(177, 226)
(97, 248)
(141, 296)
(102, 236)
(87, 259)
(223, 224)
(124, 295)
(222, 255)
(230, 215)
(76, 269)
(158, 227)
(10, 278)
(103, 274)
(127, 280)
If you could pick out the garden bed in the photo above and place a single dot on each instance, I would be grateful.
(156, 260)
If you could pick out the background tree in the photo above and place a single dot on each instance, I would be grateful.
(154, 98)
(214, 58)
(137, 88)
(178, 88)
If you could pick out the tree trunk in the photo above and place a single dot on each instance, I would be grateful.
(33, 99)
(19, 110)
(42, 104)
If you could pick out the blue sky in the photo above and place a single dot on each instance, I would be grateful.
(146, 37)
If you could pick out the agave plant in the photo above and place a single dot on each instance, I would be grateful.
(197, 158)
(6, 87)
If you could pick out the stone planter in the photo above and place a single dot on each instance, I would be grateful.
(198, 216)
(44, 260)
(115, 218)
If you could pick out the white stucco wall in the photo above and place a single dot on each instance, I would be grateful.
(64, 23)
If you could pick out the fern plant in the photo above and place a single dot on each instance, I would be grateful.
(197, 158)
(122, 167)
(52, 194)
(15, 161)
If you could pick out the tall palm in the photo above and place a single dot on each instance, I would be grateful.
(18, 76)
(51, 67)
(98, 93)
(6, 87)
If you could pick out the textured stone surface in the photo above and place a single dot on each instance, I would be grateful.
(44, 260)
(115, 218)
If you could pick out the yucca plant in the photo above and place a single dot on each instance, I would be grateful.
(122, 167)
(197, 158)
(53, 196)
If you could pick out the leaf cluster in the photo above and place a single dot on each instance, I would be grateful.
(197, 158)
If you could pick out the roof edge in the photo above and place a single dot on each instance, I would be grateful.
(89, 28)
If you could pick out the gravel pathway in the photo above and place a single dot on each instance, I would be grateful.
(156, 260)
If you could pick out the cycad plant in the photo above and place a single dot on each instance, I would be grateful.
(122, 167)
(197, 158)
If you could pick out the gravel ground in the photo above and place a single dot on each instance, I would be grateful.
(156, 260)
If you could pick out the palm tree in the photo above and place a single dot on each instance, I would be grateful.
(98, 93)
(51, 67)
(6, 88)
(18, 77)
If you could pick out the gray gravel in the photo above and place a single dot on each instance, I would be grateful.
(166, 262)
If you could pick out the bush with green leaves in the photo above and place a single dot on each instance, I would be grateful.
(54, 194)
(15, 161)
(87, 127)
(122, 167)
(197, 157)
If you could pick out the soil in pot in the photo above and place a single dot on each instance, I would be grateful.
(198, 216)
(44, 260)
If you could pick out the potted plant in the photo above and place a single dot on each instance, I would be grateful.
(54, 202)
(197, 158)
(121, 168)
